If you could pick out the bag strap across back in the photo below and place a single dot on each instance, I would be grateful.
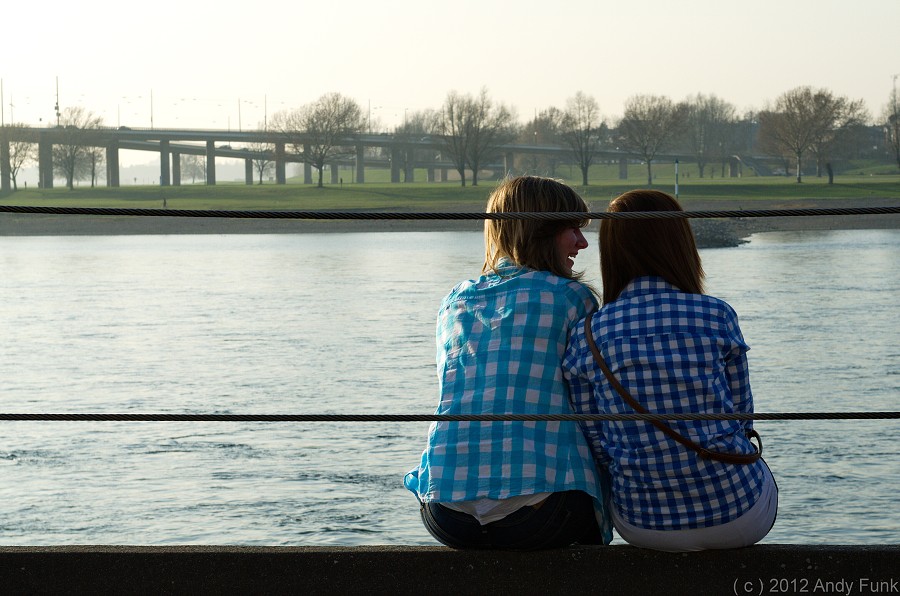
(729, 458)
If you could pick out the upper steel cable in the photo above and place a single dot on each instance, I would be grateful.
(350, 215)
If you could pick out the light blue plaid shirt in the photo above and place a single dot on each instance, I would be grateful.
(674, 352)
(500, 342)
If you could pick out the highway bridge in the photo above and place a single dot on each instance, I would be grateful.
(405, 152)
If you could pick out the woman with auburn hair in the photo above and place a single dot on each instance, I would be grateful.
(659, 345)
(500, 341)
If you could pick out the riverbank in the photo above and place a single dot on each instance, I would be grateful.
(710, 232)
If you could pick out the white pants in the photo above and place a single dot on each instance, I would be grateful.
(748, 529)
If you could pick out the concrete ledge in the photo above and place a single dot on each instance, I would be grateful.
(758, 570)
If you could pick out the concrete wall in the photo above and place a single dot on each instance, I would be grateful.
(620, 570)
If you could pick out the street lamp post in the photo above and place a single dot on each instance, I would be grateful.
(369, 117)
(56, 107)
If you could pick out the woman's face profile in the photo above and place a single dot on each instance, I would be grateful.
(568, 242)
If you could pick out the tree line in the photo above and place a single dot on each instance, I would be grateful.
(802, 125)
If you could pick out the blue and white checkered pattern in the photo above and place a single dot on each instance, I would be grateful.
(500, 341)
(674, 352)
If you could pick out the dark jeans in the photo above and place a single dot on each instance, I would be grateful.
(564, 518)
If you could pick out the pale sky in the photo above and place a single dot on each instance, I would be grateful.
(214, 64)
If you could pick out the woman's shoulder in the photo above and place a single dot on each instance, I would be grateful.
(551, 279)
(568, 290)
(550, 288)
(715, 305)
(667, 303)
(458, 289)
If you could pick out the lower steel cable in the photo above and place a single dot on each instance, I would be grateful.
(92, 417)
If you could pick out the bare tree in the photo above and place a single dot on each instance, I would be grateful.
(417, 125)
(20, 153)
(648, 124)
(423, 122)
(93, 157)
(263, 159)
(315, 131)
(492, 125)
(768, 142)
(582, 126)
(804, 118)
(891, 116)
(194, 166)
(729, 140)
(473, 130)
(78, 128)
(707, 126)
(452, 128)
(842, 133)
(543, 129)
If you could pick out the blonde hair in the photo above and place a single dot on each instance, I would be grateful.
(530, 242)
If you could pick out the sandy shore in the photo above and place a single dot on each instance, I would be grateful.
(724, 232)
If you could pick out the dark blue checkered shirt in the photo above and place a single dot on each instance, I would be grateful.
(674, 352)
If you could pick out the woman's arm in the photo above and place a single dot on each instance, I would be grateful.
(581, 391)
(737, 372)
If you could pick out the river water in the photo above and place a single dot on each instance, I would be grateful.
(344, 323)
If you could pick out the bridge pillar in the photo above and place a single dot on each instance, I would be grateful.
(443, 174)
(45, 162)
(210, 163)
(5, 168)
(623, 168)
(334, 173)
(112, 165)
(409, 164)
(430, 174)
(360, 164)
(248, 171)
(307, 169)
(395, 165)
(734, 167)
(508, 163)
(280, 177)
(176, 168)
(165, 176)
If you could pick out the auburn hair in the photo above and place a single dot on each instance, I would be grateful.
(663, 247)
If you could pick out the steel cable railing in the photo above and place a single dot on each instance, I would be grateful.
(368, 215)
(444, 417)
(361, 215)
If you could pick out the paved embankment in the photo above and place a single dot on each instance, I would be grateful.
(621, 570)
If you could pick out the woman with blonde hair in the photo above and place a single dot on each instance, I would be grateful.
(659, 345)
(500, 341)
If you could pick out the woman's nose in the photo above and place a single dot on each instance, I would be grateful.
(581, 241)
